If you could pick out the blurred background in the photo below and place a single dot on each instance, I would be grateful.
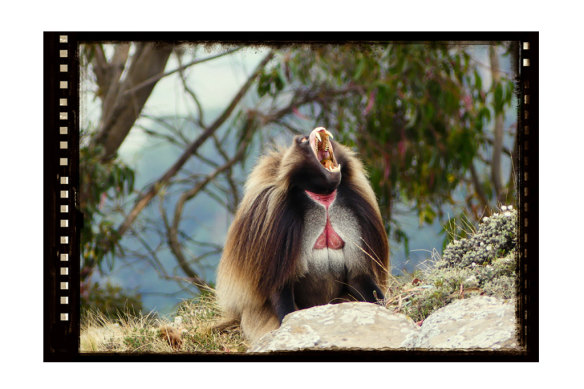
(169, 133)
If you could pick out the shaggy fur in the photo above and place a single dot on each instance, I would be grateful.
(269, 267)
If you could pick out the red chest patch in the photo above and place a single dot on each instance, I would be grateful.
(329, 238)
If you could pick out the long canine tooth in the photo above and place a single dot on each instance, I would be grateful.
(317, 135)
(336, 169)
(329, 134)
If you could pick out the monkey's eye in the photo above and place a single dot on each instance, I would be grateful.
(304, 139)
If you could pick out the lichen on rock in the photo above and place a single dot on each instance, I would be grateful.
(483, 263)
(495, 238)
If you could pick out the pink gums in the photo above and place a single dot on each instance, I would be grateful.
(329, 238)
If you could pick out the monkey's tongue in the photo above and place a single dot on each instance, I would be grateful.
(329, 238)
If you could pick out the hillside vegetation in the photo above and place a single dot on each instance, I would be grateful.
(191, 330)
(483, 263)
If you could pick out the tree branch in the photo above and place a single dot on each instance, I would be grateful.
(121, 109)
(229, 173)
(492, 143)
(100, 69)
(193, 277)
(498, 131)
(511, 186)
(478, 187)
(156, 78)
(309, 96)
(114, 74)
(200, 120)
(145, 198)
(173, 241)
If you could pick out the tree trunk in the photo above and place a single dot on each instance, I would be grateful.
(498, 131)
(122, 101)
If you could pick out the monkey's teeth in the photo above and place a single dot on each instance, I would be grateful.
(335, 169)
(316, 134)
(328, 133)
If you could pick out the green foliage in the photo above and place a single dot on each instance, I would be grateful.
(139, 339)
(100, 182)
(270, 82)
(416, 112)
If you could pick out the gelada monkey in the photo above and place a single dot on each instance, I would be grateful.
(307, 232)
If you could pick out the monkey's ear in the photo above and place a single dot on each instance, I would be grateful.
(300, 139)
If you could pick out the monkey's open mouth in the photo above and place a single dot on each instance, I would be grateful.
(323, 149)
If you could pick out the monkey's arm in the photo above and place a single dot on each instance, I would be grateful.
(283, 301)
(364, 288)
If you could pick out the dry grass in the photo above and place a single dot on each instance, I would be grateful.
(412, 295)
(468, 266)
(191, 330)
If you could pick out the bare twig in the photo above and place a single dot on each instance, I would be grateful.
(152, 255)
(504, 149)
(229, 172)
(200, 120)
(302, 98)
(154, 79)
(172, 230)
(145, 198)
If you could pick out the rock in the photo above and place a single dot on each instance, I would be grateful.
(480, 322)
(352, 325)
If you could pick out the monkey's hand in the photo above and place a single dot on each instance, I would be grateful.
(283, 301)
(364, 288)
